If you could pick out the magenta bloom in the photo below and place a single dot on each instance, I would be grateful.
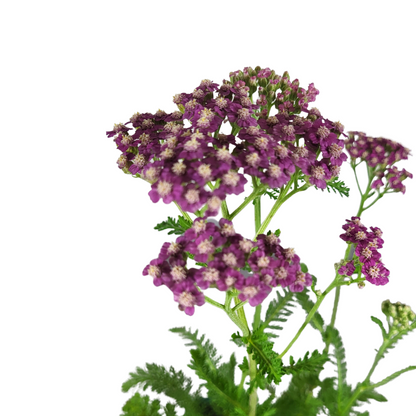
(253, 290)
(187, 295)
(347, 270)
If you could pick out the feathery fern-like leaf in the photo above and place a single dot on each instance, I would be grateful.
(306, 364)
(269, 363)
(170, 409)
(317, 321)
(194, 341)
(298, 399)
(177, 227)
(343, 389)
(278, 311)
(139, 405)
(173, 384)
(337, 186)
(393, 340)
(226, 398)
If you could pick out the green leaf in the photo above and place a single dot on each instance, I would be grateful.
(366, 395)
(273, 193)
(224, 395)
(278, 311)
(237, 339)
(311, 364)
(170, 409)
(343, 389)
(380, 324)
(393, 376)
(394, 339)
(298, 399)
(139, 405)
(337, 186)
(269, 363)
(173, 384)
(207, 347)
(177, 227)
(317, 321)
(328, 395)
(226, 398)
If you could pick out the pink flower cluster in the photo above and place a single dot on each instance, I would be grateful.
(225, 254)
(181, 161)
(367, 243)
(380, 153)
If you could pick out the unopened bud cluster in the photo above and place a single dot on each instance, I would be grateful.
(399, 316)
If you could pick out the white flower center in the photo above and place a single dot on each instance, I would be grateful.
(231, 178)
(187, 299)
(164, 188)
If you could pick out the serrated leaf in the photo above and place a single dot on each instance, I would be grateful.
(314, 363)
(177, 227)
(337, 186)
(317, 321)
(366, 395)
(268, 361)
(139, 405)
(170, 409)
(393, 376)
(273, 193)
(194, 341)
(278, 311)
(298, 399)
(170, 382)
(226, 397)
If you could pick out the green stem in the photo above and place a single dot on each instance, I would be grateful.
(185, 214)
(377, 358)
(213, 302)
(334, 283)
(250, 198)
(283, 197)
(252, 401)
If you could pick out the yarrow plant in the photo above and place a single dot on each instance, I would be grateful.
(256, 127)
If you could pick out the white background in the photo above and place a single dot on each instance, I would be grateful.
(76, 314)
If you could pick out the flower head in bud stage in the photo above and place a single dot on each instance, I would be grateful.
(367, 243)
(399, 316)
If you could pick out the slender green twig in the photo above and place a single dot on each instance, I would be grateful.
(185, 214)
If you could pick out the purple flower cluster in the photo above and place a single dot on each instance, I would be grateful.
(225, 254)
(380, 154)
(367, 243)
(180, 161)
